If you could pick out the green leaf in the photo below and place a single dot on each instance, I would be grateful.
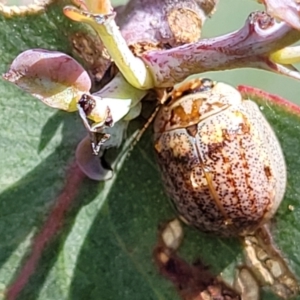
(80, 239)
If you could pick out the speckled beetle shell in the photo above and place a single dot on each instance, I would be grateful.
(221, 162)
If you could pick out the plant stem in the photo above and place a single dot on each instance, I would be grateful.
(250, 46)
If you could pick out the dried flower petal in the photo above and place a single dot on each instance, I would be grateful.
(285, 10)
(90, 164)
(53, 77)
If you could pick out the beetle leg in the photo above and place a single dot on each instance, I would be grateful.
(133, 68)
(145, 127)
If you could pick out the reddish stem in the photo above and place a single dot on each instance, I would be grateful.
(248, 47)
(48, 231)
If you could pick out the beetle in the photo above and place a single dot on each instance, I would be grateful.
(220, 160)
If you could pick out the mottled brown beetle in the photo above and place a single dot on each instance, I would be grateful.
(221, 162)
